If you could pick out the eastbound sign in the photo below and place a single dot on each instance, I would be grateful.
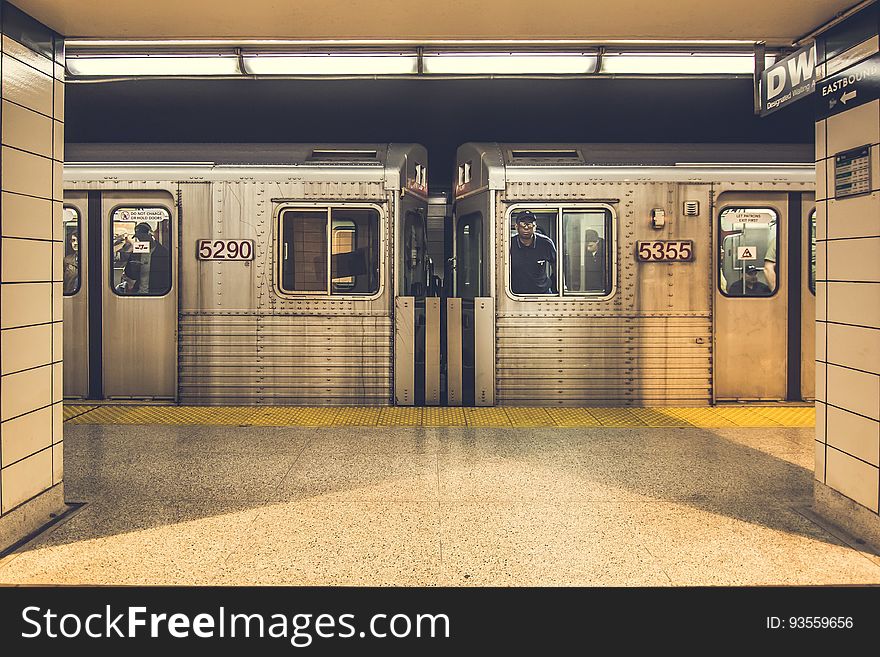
(789, 80)
(850, 88)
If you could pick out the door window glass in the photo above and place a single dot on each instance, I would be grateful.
(749, 258)
(71, 251)
(469, 261)
(415, 251)
(140, 251)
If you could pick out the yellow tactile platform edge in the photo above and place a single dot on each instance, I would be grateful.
(390, 416)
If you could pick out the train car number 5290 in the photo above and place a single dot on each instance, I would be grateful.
(665, 251)
(225, 249)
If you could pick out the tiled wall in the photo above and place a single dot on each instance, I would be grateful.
(31, 254)
(848, 314)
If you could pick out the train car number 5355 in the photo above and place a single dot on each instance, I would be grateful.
(225, 249)
(665, 251)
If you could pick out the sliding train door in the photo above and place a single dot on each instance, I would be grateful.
(470, 308)
(120, 295)
(139, 295)
(75, 276)
(808, 296)
(751, 298)
(764, 297)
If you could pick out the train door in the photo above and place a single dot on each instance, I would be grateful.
(470, 309)
(808, 297)
(763, 302)
(76, 299)
(123, 321)
(416, 311)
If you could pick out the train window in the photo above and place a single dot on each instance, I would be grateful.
(469, 263)
(749, 260)
(140, 251)
(304, 261)
(586, 258)
(354, 255)
(533, 253)
(71, 251)
(330, 251)
(561, 251)
(813, 252)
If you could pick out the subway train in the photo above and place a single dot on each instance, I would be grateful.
(549, 275)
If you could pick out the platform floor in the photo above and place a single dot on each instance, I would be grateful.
(424, 505)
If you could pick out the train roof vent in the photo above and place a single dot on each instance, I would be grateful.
(545, 154)
(343, 154)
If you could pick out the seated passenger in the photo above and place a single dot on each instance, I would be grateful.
(594, 261)
(532, 254)
(753, 287)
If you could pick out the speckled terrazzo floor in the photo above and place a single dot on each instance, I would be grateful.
(439, 506)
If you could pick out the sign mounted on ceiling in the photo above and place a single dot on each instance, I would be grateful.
(789, 80)
(850, 88)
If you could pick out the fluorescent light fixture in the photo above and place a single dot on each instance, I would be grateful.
(331, 64)
(680, 63)
(158, 64)
(400, 43)
(509, 63)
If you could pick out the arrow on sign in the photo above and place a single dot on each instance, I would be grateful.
(848, 96)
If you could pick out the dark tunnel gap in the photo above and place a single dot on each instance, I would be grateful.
(440, 114)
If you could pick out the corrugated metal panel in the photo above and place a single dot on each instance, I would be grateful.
(285, 359)
(630, 360)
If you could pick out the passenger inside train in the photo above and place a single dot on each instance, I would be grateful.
(532, 258)
(749, 285)
(141, 263)
(70, 274)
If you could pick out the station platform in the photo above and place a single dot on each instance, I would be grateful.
(449, 497)
(397, 416)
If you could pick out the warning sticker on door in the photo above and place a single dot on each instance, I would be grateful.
(746, 253)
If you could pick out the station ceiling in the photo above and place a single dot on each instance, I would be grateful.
(778, 22)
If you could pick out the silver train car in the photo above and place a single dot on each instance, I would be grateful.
(624, 274)
(582, 274)
(239, 274)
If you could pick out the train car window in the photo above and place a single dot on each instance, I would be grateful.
(330, 251)
(749, 258)
(813, 252)
(71, 251)
(140, 251)
(304, 251)
(533, 261)
(586, 252)
(354, 254)
(469, 261)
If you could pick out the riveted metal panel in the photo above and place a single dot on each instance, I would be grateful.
(284, 359)
(432, 351)
(404, 351)
(453, 352)
(484, 351)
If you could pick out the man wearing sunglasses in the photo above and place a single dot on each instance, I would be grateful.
(532, 258)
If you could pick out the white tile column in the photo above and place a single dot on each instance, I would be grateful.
(31, 253)
(848, 306)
